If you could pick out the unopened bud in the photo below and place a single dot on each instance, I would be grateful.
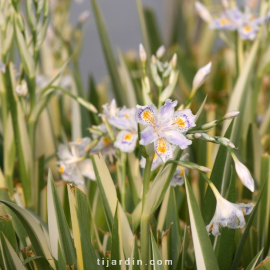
(87, 105)
(160, 52)
(198, 135)
(231, 114)
(231, 145)
(83, 16)
(21, 89)
(142, 53)
(174, 60)
(209, 125)
(201, 75)
(153, 60)
(203, 12)
(207, 137)
(204, 169)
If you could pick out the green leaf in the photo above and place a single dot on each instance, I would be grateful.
(26, 57)
(17, 225)
(108, 53)
(254, 150)
(129, 95)
(204, 254)
(6, 228)
(22, 142)
(217, 177)
(12, 260)
(117, 248)
(88, 252)
(135, 256)
(175, 233)
(265, 265)
(253, 263)
(241, 87)
(79, 211)
(35, 233)
(264, 210)
(58, 227)
(9, 154)
(243, 239)
(184, 248)
(156, 254)
(106, 188)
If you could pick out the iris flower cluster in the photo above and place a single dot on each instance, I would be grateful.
(167, 128)
(246, 22)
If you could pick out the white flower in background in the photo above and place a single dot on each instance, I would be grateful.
(203, 12)
(200, 76)
(174, 60)
(228, 214)
(165, 127)
(243, 173)
(125, 120)
(73, 165)
(105, 145)
(142, 53)
(109, 110)
(83, 16)
(2, 67)
(66, 81)
(160, 51)
(21, 89)
(231, 114)
(247, 23)
(41, 81)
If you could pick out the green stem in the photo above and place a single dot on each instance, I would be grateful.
(146, 178)
(145, 241)
(123, 179)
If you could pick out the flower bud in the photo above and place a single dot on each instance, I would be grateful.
(231, 115)
(198, 135)
(160, 52)
(83, 16)
(21, 89)
(203, 12)
(243, 173)
(201, 75)
(153, 60)
(204, 169)
(87, 105)
(142, 53)
(231, 145)
(174, 60)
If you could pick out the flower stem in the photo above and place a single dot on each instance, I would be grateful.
(146, 178)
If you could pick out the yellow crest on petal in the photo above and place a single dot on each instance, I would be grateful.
(106, 141)
(78, 140)
(161, 147)
(62, 169)
(180, 122)
(182, 170)
(128, 137)
(148, 116)
(224, 22)
(247, 29)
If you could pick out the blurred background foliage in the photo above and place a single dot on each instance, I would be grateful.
(38, 45)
